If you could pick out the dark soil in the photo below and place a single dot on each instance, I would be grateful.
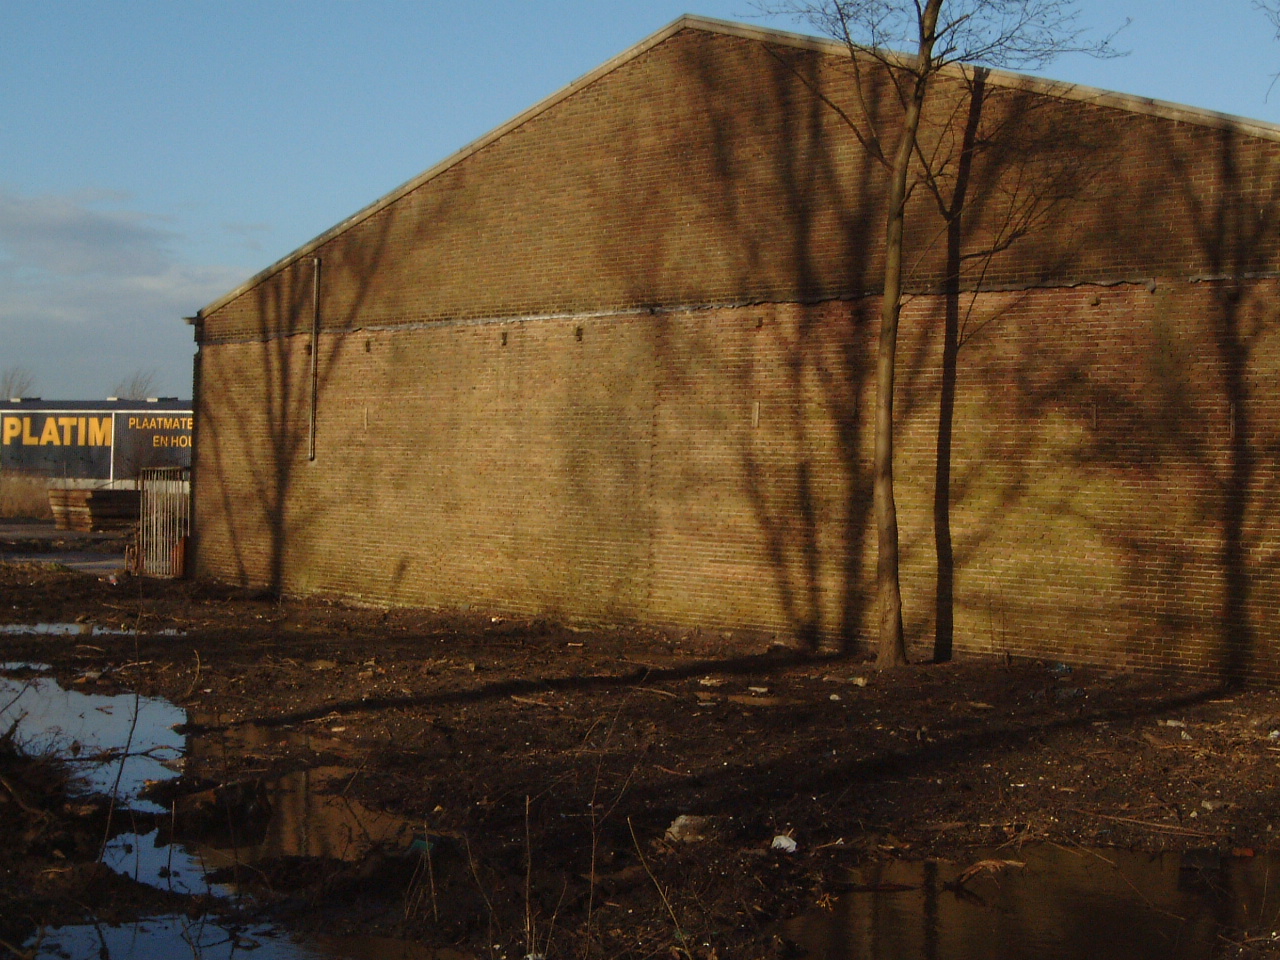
(31, 535)
(545, 763)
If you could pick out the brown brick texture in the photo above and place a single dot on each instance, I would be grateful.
(618, 365)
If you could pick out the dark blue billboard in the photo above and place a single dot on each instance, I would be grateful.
(80, 440)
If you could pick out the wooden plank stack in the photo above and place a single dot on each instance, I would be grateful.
(94, 510)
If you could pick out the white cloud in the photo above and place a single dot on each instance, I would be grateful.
(249, 234)
(91, 290)
(67, 237)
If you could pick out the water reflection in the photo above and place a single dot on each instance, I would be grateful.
(1063, 905)
(115, 743)
(80, 630)
(179, 938)
(207, 750)
(165, 938)
(121, 743)
(149, 859)
(302, 814)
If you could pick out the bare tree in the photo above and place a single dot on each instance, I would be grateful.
(16, 381)
(137, 386)
(1271, 8)
(942, 34)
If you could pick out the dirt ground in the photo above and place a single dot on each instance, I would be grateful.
(545, 763)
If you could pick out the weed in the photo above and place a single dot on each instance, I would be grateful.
(25, 496)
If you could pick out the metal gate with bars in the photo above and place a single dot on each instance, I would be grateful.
(165, 521)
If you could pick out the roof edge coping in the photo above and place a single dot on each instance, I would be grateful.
(1146, 106)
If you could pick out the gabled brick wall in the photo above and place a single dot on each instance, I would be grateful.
(616, 363)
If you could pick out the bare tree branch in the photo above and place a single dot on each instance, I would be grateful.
(1007, 34)
(1271, 10)
(137, 386)
(940, 34)
(16, 381)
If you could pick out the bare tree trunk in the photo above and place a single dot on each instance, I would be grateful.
(944, 599)
(944, 596)
(892, 650)
(994, 33)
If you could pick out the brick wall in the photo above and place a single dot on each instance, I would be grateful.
(617, 364)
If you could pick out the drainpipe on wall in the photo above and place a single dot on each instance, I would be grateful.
(315, 355)
(197, 324)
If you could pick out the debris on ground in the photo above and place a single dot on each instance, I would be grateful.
(544, 766)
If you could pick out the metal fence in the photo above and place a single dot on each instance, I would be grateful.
(165, 521)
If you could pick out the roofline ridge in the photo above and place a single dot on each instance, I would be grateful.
(1064, 90)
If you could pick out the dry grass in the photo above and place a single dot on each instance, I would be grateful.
(23, 496)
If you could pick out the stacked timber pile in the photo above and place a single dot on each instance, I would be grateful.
(93, 510)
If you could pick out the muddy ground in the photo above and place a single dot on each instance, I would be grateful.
(544, 764)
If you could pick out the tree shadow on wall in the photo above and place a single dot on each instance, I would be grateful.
(796, 200)
(1236, 235)
(264, 426)
(1174, 413)
(760, 402)
(1003, 184)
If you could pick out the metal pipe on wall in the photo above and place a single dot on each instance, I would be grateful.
(315, 356)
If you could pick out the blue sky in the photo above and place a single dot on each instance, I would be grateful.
(153, 155)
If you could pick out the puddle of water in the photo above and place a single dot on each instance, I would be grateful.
(130, 740)
(1063, 905)
(147, 859)
(207, 749)
(302, 814)
(92, 731)
(21, 666)
(80, 630)
(383, 948)
(301, 818)
(179, 938)
(298, 815)
(164, 938)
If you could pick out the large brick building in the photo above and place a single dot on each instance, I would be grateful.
(614, 361)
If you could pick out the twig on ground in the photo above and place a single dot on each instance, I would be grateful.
(471, 862)
(20, 953)
(17, 798)
(534, 702)
(684, 943)
(128, 743)
(529, 938)
(195, 680)
(1149, 824)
